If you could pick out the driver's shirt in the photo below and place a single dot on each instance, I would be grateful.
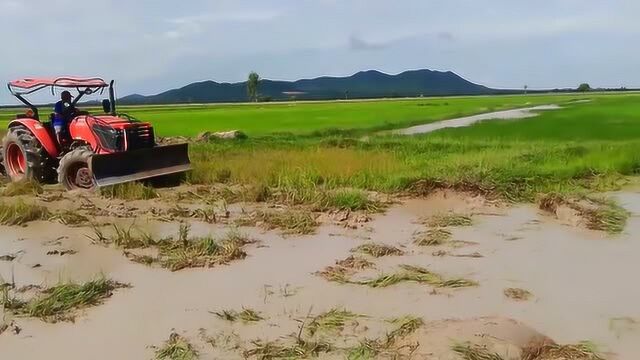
(60, 109)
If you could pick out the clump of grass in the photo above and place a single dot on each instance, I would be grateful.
(608, 217)
(69, 218)
(125, 238)
(202, 252)
(337, 274)
(246, 315)
(22, 188)
(58, 302)
(355, 262)
(365, 350)
(289, 221)
(343, 269)
(468, 351)
(129, 191)
(331, 321)
(448, 220)
(177, 348)
(20, 213)
(416, 274)
(599, 214)
(352, 200)
(433, 237)
(517, 294)
(300, 349)
(548, 350)
(378, 250)
(405, 326)
(387, 347)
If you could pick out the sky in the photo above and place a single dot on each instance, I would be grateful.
(150, 46)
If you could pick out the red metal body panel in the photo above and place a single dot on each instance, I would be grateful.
(40, 132)
(80, 129)
(30, 83)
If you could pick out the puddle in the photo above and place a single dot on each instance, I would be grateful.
(470, 120)
(583, 284)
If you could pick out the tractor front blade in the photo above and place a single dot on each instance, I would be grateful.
(116, 168)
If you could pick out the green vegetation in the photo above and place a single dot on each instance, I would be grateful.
(246, 315)
(20, 213)
(129, 191)
(296, 151)
(518, 294)
(433, 237)
(333, 320)
(599, 213)
(469, 351)
(22, 188)
(415, 274)
(300, 349)
(291, 222)
(177, 348)
(378, 250)
(450, 219)
(58, 302)
(176, 254)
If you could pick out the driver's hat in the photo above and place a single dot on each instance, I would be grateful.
(65, 94)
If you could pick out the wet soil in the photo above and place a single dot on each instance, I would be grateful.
(583, 283)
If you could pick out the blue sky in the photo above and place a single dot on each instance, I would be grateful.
(153, 45)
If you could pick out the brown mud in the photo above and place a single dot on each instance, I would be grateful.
(583, 282)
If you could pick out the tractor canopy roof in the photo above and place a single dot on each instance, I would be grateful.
(31, 85)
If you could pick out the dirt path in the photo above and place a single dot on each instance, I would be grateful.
(582, 285)
(470, 120)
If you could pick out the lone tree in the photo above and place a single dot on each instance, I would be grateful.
(584, 87)
(252, 85)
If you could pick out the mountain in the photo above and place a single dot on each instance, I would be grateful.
(365, 84)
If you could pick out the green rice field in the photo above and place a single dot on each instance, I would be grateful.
(300, 148)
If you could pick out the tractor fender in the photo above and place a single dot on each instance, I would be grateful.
(40, 132)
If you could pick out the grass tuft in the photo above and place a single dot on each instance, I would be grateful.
(433, 237)
(468, 351)
(246, 315)
(548, 350)
(202, 252)
(378, 250)
(70, 218)
(331, 321)
(599, 213)
(405, 326)
(517, 294)
(275, 350)
(20, 213)
(58, 302)
(449, 220)
(22, 188)
(416, 274)
(353, 200)
(177, 348)
(290, 222)
(129, 191)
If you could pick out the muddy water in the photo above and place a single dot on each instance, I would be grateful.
(470, 120)
(584, 285)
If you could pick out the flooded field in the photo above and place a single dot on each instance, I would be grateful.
(451, 269)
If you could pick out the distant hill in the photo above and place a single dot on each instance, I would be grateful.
(365, 84)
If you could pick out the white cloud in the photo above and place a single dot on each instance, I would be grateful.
(152, 45)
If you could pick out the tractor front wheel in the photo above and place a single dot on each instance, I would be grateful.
(74, 172)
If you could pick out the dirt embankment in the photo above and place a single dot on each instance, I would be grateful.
(442, 277)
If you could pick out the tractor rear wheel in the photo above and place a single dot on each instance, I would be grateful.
(24, 158)
(74, 172)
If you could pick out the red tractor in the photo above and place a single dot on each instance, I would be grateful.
(98, 150)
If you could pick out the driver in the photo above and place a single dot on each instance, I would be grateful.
(64, 110)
